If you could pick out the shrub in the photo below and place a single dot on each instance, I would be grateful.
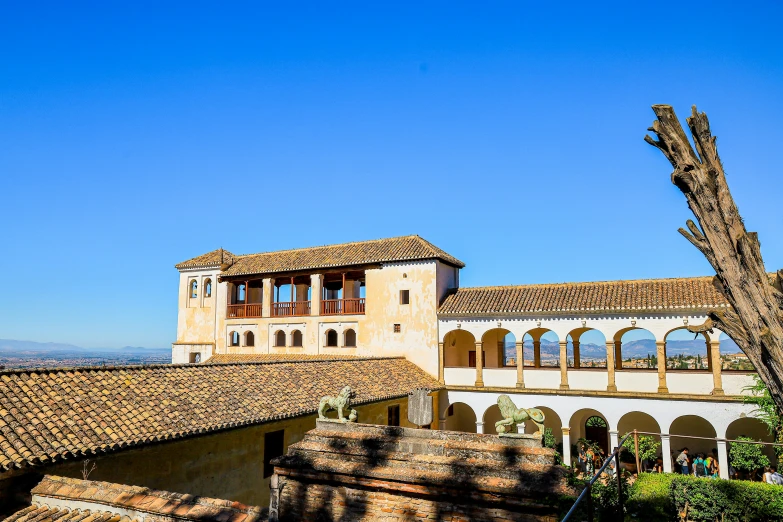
(648, 447)
(649, 499)
(747, 457)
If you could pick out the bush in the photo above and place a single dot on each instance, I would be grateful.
(649, 499)
(747, 457)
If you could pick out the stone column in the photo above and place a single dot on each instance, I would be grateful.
(577, 362)
(666, 452)
(267, 296)
(537, 353)
(479, 426)
(316, 289)
(441, 363)
(441, 424)
(613, 440)
(610, 385)
(723, 459)
(567, 446)
(479, 364)
(563, 365)
(661, 354)
(618, 355)
(520, 365)
(715, 362)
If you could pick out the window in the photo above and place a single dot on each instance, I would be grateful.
(397, 328)
(195, 358)
(350, 338)
(472, 358)
(405, 297)
(274, 443)
(280, 338)
(250, 339)
(331, 338)
(296, 338)
(208, 288)
(193, 288)
(233, 339)
(393, 415)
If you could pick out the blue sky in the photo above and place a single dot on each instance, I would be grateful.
(136, 135)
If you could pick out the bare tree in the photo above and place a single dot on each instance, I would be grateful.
(755, 320)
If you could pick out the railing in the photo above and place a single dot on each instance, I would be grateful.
(291, 308)
(342, 306)
(243, 310)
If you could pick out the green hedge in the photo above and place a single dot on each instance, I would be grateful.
(657, 496)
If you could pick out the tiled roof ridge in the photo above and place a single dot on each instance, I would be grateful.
(582, 283)
(347, 243)
(189, 263)
(59, 369)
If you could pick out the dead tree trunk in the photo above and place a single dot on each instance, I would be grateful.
(755, 321)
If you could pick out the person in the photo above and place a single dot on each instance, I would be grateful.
(699, 466)
(777, 478)
(658, 467)
(682, 461)
(581, 457)
(590, 461)
(767, 477)
(709, 463)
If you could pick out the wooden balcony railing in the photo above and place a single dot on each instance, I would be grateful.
(342, 306)
(243, 310)
(289, 309)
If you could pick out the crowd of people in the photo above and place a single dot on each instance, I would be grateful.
(699, 466)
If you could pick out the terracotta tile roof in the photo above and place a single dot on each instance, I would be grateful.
(231, 358)
(60, 499)
(405, 248)
(651, 295)
(47, 415)
(216, 257)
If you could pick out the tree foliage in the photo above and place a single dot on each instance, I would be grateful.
(747, 457)
(648, 446)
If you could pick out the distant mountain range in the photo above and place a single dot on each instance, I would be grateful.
(632, 349)
(11, 346)
(28, 354)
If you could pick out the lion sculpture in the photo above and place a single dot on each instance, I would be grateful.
(513, 415)
(340, 403)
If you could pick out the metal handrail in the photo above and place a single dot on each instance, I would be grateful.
(588, 489)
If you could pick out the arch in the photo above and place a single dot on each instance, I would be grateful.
(635, 348)
(551, 420)
(349, 338)
(586, 348)
(296, 338)
(491, 416)
(460, 417)
(687, 351)
(457, 345)
(233, 339)
(695, 426)
(331, 338)
(193, 288)
(543, 347)
(208, 287)
(755, 429)
(640, 421)
(280, 338)
(594, 431)
(250, 339)
(499, 346)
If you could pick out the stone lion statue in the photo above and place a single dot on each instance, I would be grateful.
(513, 415)
(340, 403)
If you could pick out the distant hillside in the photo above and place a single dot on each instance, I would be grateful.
(633, 349)
(27, 354)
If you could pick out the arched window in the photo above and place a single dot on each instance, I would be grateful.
(208, 288)
(233, 339)
(250, 339)
(193, 288)
(280, 338)
(331, 338)
(350, 338)
(296, 338)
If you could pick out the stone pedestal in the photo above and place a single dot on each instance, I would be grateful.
(366, 472)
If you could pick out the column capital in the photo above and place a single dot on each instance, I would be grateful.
(479, 343)
(563, 343)
(479, 423)
(613, 432)
(666, 436)
(660, 343)
(566, 431)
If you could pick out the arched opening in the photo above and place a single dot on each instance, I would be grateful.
(280, 338)
(459, 349)
(586, 348)
(250, 339)
(491, 416)
(499, 347)
(687, 351)
(695, 426)
(350, 338)
(640, 421)
(208, 288)
(238, 293)
(543, 347)
(592, 426)
(331, 338)
(732, 358)
(634, 348)
(233, 339)
(193, 288)
(460, 417)
(551, 420)
(296, 338)
(756, 430)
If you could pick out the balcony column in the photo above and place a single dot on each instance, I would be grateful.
(537, 353)
(610, 382)
(666, 453)
(480, 366)
(717, 368)
(723, 459)
(577, 362)
(618, 355)
(316, 289)
(520, 365)
(479, 427)
(567, 446)
(441, 363)
(661, 354)
(563, 365)
(268, 295)
(614, 439)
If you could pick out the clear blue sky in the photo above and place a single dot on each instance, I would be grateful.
(135, 135)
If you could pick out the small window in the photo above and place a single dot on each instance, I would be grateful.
(193, 288)
(195, 358)
(233, 339)
(274, 443)
(350, 338)
(296, 338)
(397, 328)
(208, 288)
(280, 338)
(405, 297)
(250, 339)
(393, 415)
(331, 338)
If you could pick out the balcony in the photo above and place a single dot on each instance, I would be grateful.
(354, 306)
(234, 311)
(291, 309)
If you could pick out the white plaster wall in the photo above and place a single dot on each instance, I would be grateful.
(689, 382)
(587, 379)
(733, 383)
(460, 376)
(500, 377)
(644, 381)
(536, 378)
